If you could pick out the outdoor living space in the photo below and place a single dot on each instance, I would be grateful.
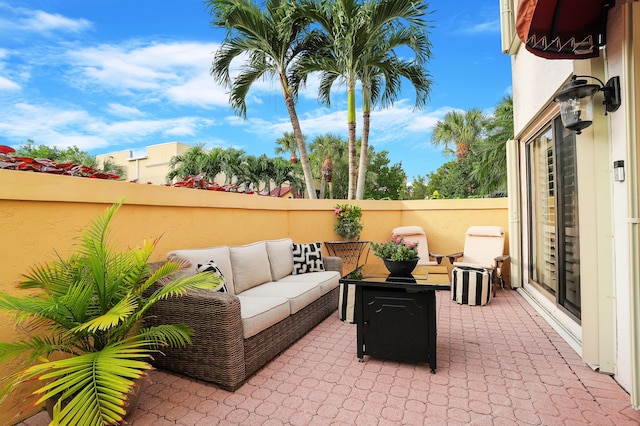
(497, 364)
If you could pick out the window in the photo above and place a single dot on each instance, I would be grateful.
(554, 261)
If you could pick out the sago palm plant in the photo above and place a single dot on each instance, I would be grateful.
(85, 335)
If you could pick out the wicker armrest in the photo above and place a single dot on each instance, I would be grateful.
(217, 350)
(332, 263)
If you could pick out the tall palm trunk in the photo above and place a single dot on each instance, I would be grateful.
(327, 177)
(364, 143)
(351, 123)
(297, 131)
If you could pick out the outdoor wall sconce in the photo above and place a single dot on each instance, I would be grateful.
(576, 100)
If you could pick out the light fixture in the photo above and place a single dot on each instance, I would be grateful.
(576, 100)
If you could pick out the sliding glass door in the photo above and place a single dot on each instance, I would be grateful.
(554, 261)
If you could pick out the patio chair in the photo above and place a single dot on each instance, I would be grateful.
(415, 234)
(483, 249)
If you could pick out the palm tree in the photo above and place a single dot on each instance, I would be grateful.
(460, 129)
(190, 163)
(490, 165)
(325, 148)
(385, 66)
(287, 144)
(196, 160)
(284, 172)
(272, 39)
(348, 30)
(232, 164)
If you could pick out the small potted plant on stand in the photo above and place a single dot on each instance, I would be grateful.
(89, 315)
(348, 225)
(399, 256)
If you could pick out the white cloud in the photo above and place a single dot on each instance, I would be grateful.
(6, 84)
(42, 21)
(53, 125)
(123, 110)
(482, 27)
(199, 90)
(178, 71)
(22, 19)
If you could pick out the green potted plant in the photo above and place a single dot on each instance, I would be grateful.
(85, 335)
(348, 224)
(399, 256)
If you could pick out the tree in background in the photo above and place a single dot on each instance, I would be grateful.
(484, 170)
(272, 39)
(382, 66)
(349, 30)
(384, 182)
(254, 173)
(287, 145)
(72, 154)
(192, 162)
(459, 129)
(490, 153)
(325, 148)
(418, 189)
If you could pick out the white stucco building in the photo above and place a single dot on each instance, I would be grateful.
(574, 220)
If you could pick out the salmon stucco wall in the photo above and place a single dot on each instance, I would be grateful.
(41, 214)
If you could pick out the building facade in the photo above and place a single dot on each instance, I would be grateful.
(151, 167)
(574, 197)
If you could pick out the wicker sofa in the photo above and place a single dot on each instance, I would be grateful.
(266, 308)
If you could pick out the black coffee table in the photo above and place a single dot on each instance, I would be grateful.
(396, 316)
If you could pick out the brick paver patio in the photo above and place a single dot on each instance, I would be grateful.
(500, 364)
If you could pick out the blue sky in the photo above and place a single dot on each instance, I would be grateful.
(114, 75)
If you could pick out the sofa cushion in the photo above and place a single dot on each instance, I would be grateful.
(201, 256)
(299, 294)
(307, 258)
(250, 264)
(280, 257)
(260, 313)
(212, 266)
(326, 280)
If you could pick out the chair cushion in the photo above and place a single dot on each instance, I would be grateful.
(250, 265)
(307, 258)
(485, 231)
(212, 266)
(474, 265)
(280, 257)
(220, 255)
(326, 280)
(260, 313)
(299, 294)
(408, 230)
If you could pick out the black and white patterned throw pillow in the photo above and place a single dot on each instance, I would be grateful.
(212, 266)
(307, 258)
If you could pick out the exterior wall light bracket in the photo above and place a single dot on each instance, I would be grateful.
(576, 100)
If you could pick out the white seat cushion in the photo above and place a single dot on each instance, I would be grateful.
(260, 313)
(326, 280)
(299, 294)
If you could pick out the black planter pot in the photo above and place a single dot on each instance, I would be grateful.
(400, 268)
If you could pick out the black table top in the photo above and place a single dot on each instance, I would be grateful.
(426, 277)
